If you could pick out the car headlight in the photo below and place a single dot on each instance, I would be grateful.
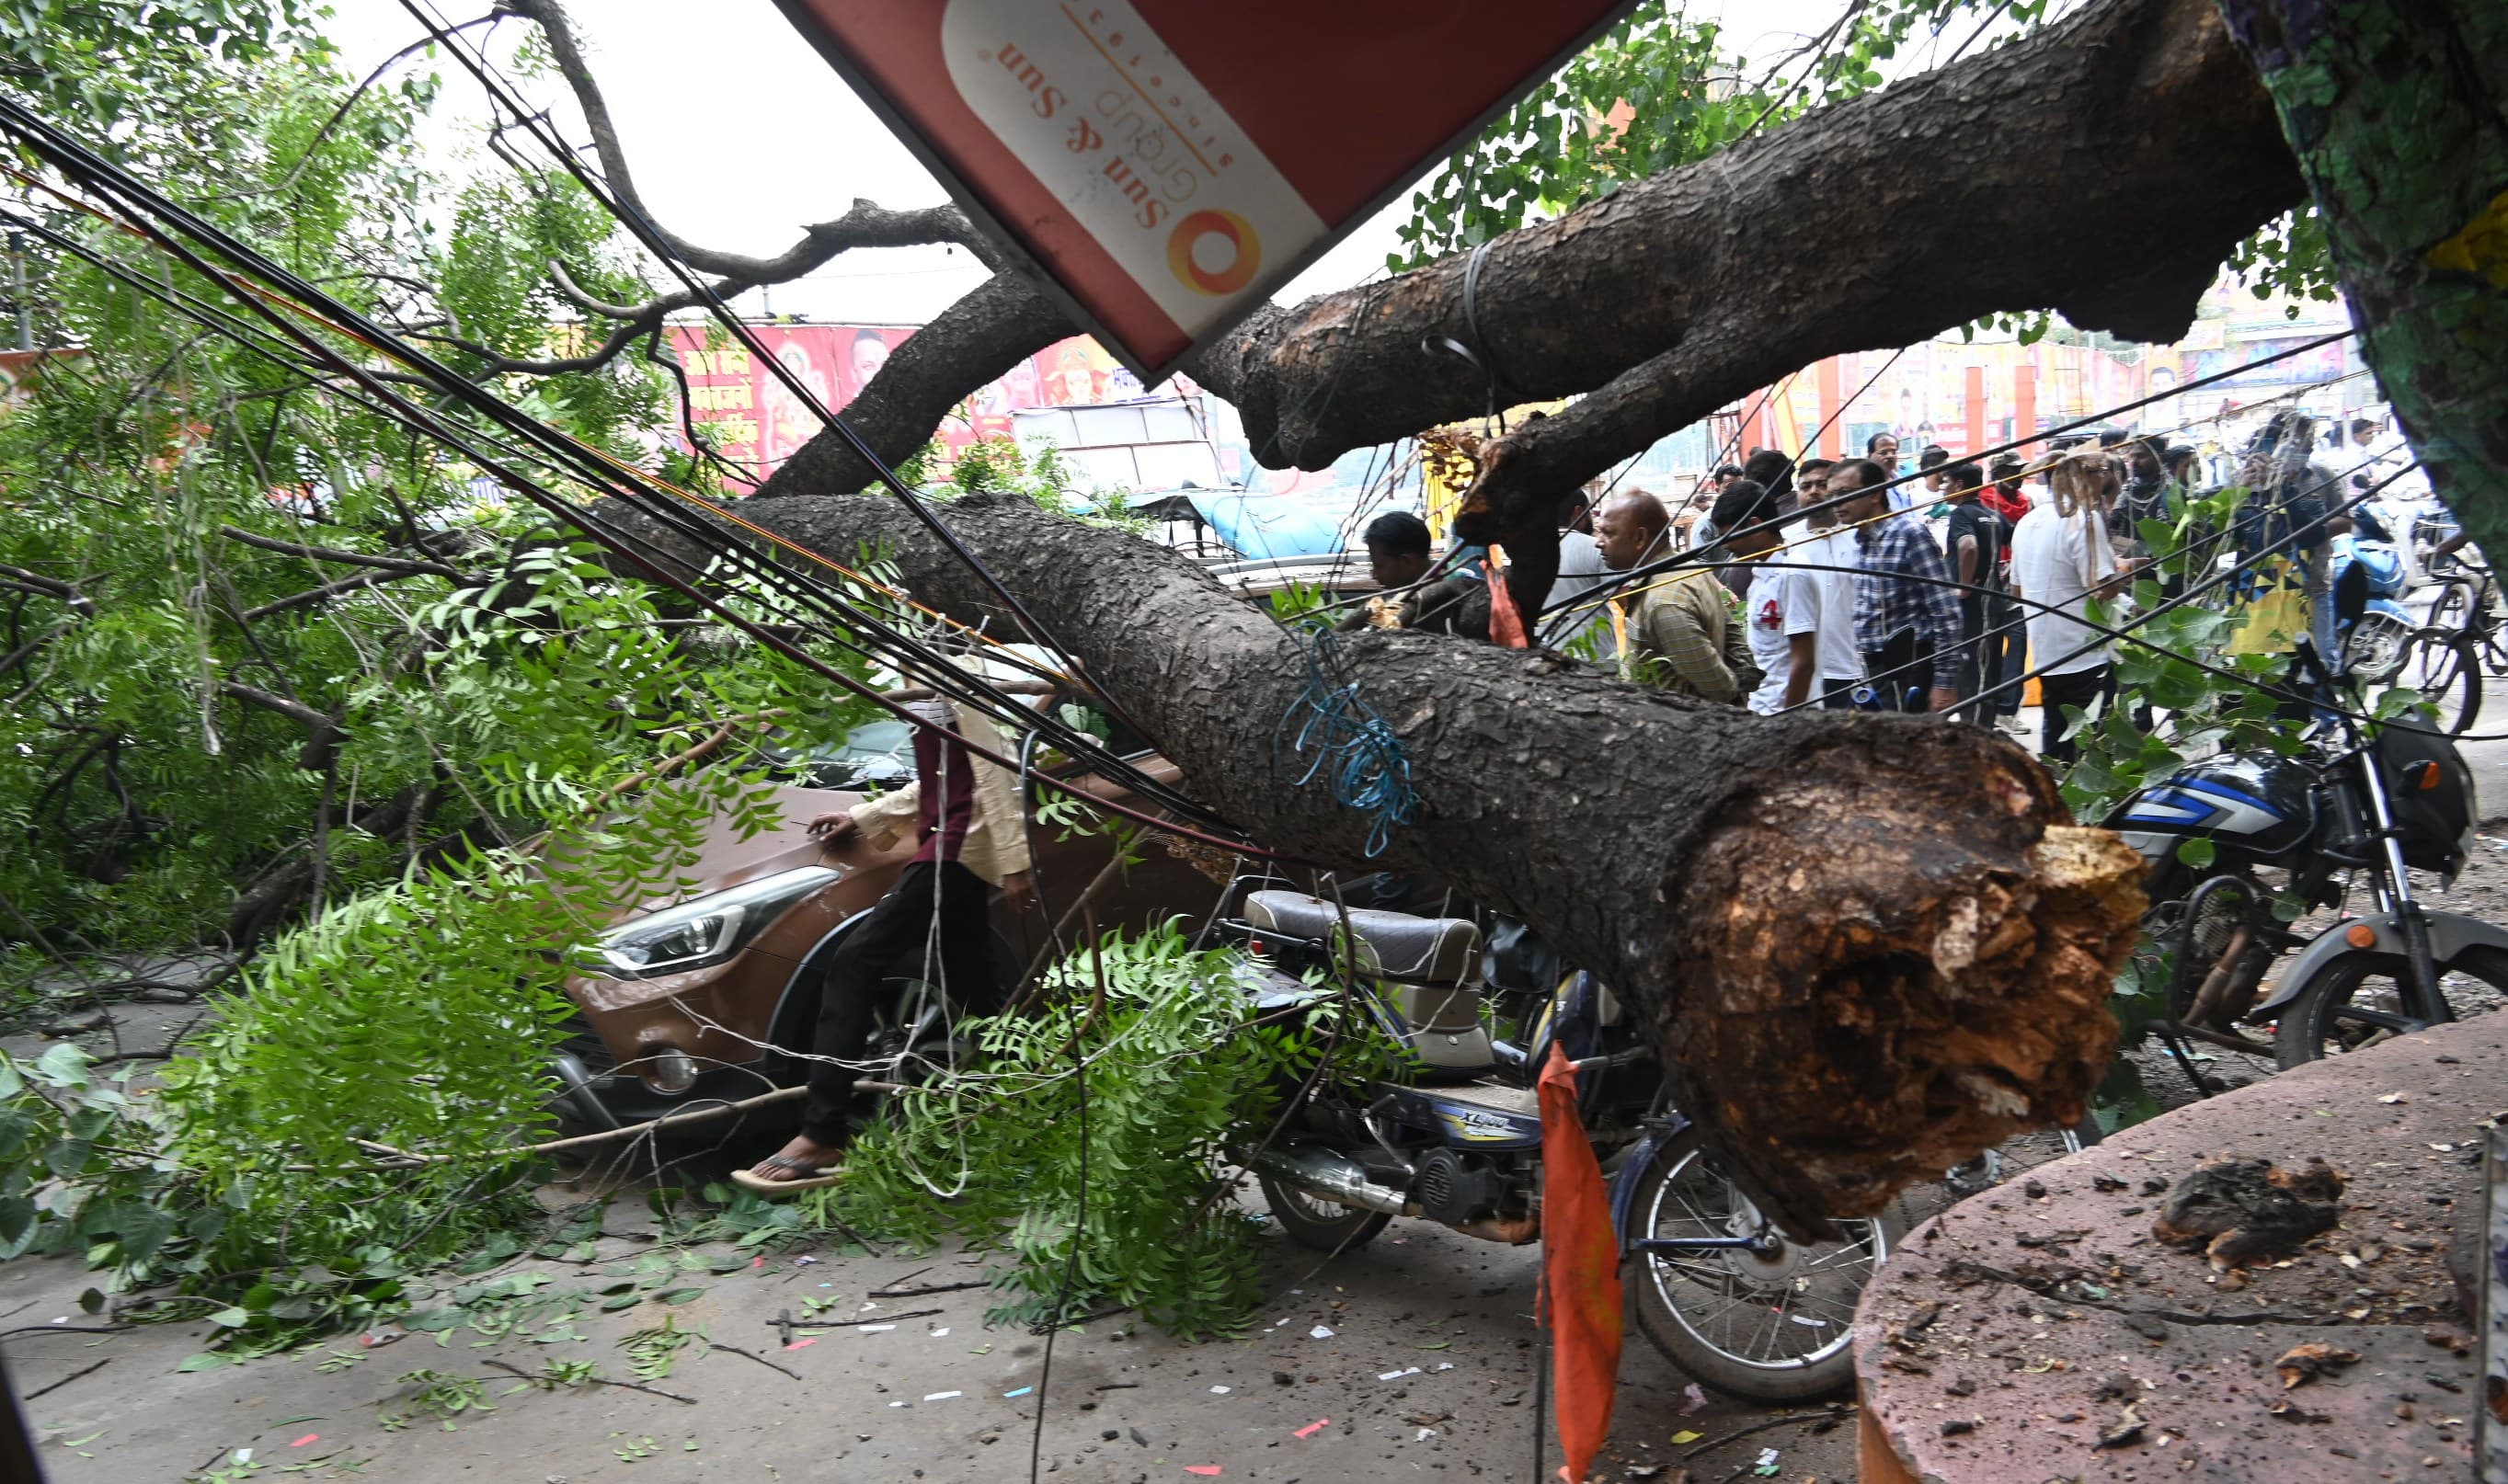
(706, 929)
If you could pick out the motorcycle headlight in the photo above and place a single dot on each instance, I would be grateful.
(706, 929)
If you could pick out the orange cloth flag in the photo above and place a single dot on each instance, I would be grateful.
(1580, 1261)
(1506, 622)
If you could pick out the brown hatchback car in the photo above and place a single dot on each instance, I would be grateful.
(701, 998)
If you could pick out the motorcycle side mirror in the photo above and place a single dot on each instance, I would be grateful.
(2352, 594)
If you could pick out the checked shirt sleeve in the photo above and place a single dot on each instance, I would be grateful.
(1937, 601)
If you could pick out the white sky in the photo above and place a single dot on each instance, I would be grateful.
(738, 132)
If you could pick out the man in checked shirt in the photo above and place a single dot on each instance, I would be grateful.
(1906, 609)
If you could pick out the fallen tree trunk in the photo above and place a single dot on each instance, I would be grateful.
(1869, 946)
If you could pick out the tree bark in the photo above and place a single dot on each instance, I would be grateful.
(1869, 946)
(2399, 116)
(2103, 166)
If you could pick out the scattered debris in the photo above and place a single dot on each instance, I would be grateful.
(2238, 1211)
(943, 1395)
(1694, 1399)
(1314, 1428)
(1766, 1466)
(1319, 1332)
(2128, 1429)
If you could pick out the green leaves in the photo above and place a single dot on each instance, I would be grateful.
(1175, 1070)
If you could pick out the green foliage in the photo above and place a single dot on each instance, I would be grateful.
(2288, 258)
(440, 1395)
(999, 466)
(1296, 601)
(1178, 1066)
(1565, 144)
(145, 786)
(1652, 94)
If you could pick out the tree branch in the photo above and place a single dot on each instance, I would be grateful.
(400, 564)
(1864, 944)
(865, 226)
(328, 589)
(972, 341)
(2103, 166)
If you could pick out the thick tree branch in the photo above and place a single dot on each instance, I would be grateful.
(976, 339)
(2102, 168)
(321, 748)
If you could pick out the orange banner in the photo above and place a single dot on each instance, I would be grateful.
(1580, 1262)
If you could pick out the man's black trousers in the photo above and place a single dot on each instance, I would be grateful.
(935, 926)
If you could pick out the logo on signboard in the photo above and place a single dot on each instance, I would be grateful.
(1214, 251)
(1142, 156)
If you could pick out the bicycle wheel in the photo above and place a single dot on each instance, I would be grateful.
(2453, 604)
(1770, 1325)
(2440, 665)
(2021, 1154)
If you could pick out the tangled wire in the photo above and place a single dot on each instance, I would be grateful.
(1356, 750)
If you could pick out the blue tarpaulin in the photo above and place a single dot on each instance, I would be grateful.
(1261, 526)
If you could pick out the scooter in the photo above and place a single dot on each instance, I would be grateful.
(2374, 648)
(1451, 1132)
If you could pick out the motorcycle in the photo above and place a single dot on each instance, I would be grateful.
(1452, 1134)
(2355, 803)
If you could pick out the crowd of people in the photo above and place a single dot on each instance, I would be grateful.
(1839, 583)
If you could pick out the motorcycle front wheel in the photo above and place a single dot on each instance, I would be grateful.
(1774, 1325)
(2357, 1001)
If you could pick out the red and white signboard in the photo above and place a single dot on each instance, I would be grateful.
(1168, 163)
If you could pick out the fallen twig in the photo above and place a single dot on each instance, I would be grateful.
(649, 1125)
(624, 1386)
(929, 1288)
(66, 1329)
(67, 1379)
(755, 1356)
(879, 1318)
(1837, 1413)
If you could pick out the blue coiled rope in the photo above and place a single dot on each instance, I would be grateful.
(1355, 750)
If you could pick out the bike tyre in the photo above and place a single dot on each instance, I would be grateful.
(2441, 663)
(1831, 1373)
(1354, 1228)
(2300, 1036)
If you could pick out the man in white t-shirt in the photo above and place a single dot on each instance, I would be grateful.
(2061, 561)
(1783, 608)
(1830, 549)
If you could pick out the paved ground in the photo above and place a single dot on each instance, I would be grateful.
(930, 1399)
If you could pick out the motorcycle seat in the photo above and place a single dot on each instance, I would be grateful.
(1424, 950)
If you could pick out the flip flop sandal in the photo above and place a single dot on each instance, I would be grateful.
(809, 1176)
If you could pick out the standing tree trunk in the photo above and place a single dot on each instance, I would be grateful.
(1868, 946)
(2399, 115)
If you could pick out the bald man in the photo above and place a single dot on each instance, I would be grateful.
(1681, 636)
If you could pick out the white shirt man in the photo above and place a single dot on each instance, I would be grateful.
(2061, 561)
(1784, 602)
